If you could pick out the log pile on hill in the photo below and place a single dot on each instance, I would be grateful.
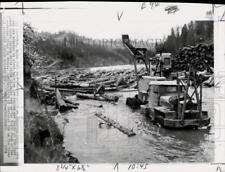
(199, 56)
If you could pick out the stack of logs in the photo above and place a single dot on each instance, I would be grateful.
(110, 79)
(199, 56)
(88, 81)
(86, 84)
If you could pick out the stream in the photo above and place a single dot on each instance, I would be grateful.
(92, 144)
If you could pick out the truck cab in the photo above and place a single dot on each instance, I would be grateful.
(165, 103)
(162, 64)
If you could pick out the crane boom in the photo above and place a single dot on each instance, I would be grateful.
(137, 53)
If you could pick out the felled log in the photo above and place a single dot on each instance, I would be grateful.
(104, 97)
(120, 81)
(66, 85)
(128, 132)
(74, 90)
(71, 106)
(110, 98)
(111, 88)
(62, 106)
(71, 102)
(75, 87)
(99, 90)
(109, 82)
(99, 80)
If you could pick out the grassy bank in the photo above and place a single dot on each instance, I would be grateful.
(43, 140)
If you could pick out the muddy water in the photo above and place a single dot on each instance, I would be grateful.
(91, 144)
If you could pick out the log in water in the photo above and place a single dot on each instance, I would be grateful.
(126, 131)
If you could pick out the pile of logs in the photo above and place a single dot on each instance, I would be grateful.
(86, 84)
(85, 81)
(199, 56)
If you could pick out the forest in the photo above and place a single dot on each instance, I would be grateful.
(190, 34)
(80, 51)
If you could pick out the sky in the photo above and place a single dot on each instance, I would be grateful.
(99, 20)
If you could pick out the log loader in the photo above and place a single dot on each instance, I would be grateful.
(170, 103)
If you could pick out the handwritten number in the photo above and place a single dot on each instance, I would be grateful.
(57, 168)
(116, 167)
(129, 167)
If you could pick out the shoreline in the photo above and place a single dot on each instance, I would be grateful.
(44, 141)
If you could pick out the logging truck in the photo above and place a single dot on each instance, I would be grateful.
(172, 104)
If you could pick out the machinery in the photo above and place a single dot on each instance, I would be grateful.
(163, 64)
(160, 65)
(172, 104)
(139, 54)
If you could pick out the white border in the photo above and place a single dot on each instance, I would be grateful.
(219, 52)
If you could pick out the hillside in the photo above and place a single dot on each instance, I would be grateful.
(80, 51)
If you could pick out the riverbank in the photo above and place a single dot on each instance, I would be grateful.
(44, 141)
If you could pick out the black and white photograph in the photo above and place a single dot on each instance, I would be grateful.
(108, 82)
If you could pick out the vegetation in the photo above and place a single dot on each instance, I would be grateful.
(81, 51)
(189, 35)
(43, 141)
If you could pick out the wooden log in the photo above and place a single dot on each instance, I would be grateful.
(120, 81)
(71, 102)
(74, 91)
(81, 90)
(66, 85)
(103, 97)
(60, 102)
(198, 56)
(124, 130)
(71, 106)
(110, 98)
(72, 86)
(110, 88)
(109, 82)
(99, 90)
(99, 80)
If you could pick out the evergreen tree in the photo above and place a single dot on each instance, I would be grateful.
(178, 39)
(191, 34)
(200, 31)
(184, 34)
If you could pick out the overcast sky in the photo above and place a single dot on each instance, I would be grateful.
(99, 19)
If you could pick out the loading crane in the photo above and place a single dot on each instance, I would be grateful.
(169, 102)
(138, 54)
